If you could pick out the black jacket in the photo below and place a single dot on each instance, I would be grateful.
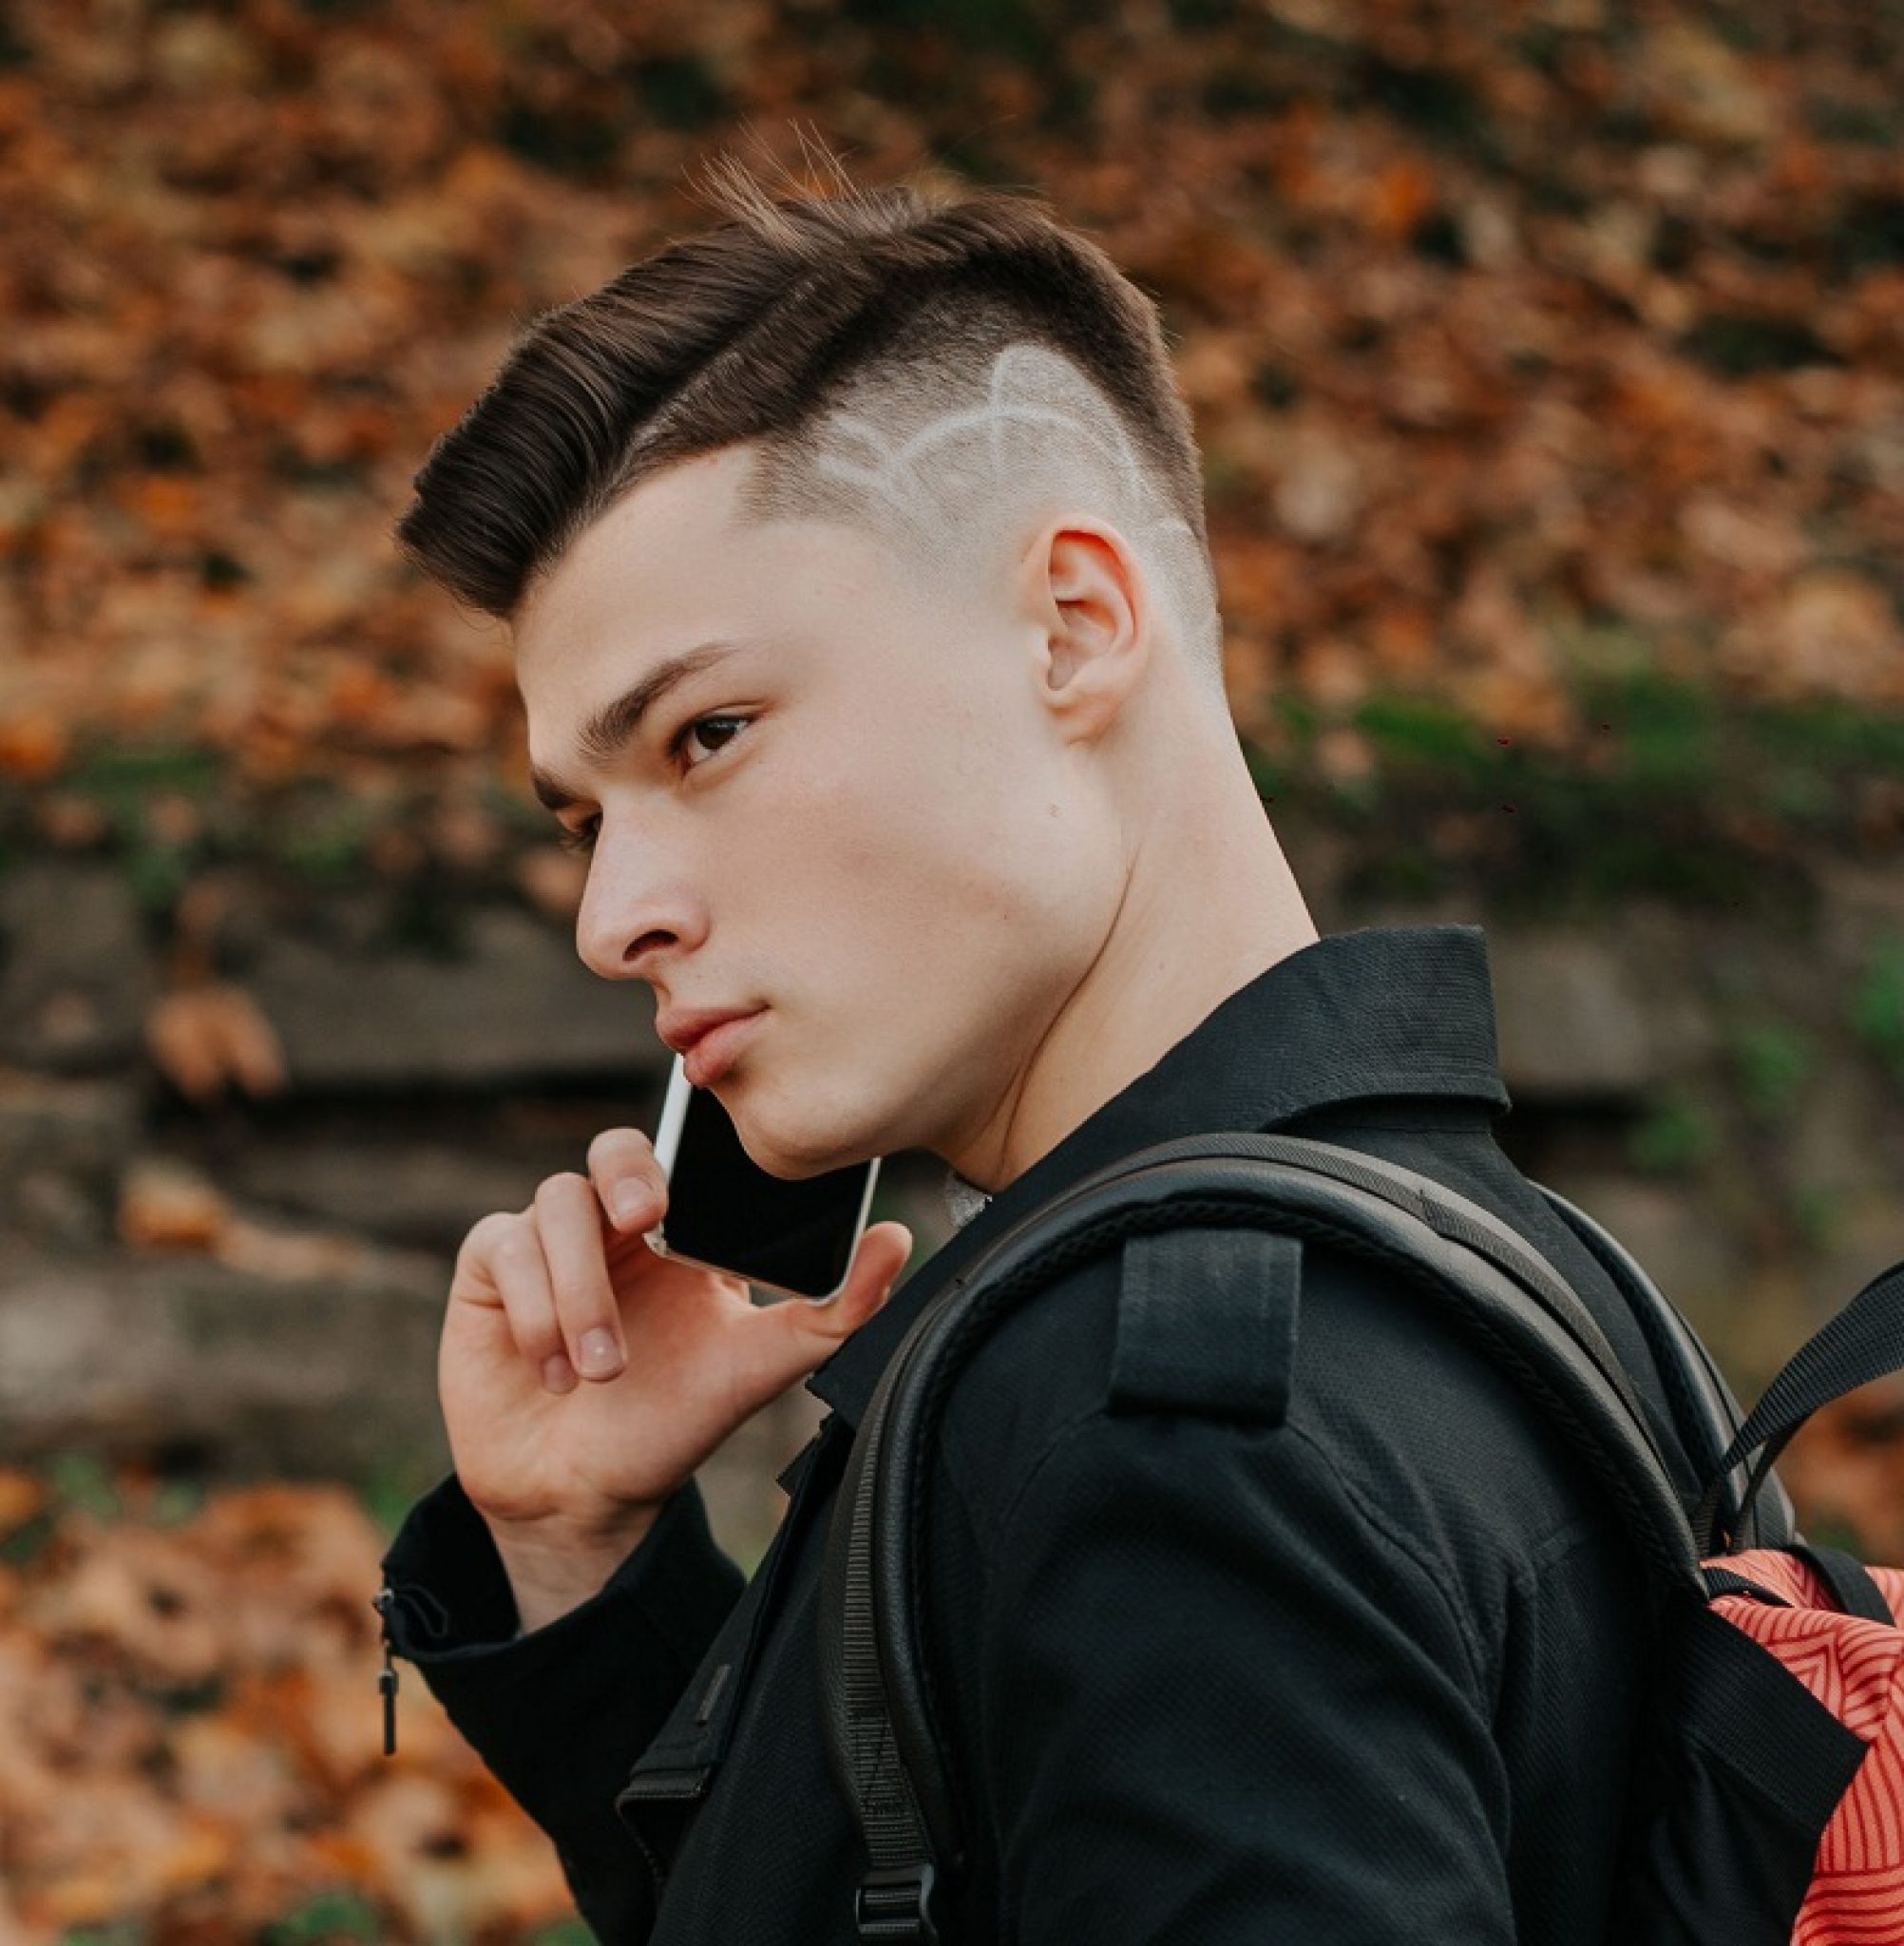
(1355, 1655)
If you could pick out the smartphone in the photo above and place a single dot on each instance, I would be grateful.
(725, 1213)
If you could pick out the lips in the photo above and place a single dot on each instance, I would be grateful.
(681, 1030)
(707, 1039)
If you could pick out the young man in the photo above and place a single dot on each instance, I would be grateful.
(855, 559)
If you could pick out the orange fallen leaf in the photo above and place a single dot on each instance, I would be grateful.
(207, 1038)
(164, 1205)
(33, 746)
(20, 1498)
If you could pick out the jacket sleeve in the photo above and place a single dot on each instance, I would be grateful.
(559, 1715)
(1311, 1762)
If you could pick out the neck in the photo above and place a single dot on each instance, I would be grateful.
(1210, 903)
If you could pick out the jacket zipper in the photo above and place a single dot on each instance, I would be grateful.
(689, 1785)
(430, 1617)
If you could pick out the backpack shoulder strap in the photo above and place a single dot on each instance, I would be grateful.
(1865, 1341)
(1705, 1412)
(882, 1741)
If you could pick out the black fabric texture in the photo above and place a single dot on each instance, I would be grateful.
(560, 1713)
(1240, 1369)
(1368, 1667)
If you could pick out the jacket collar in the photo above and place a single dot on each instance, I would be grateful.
(1383, 1011)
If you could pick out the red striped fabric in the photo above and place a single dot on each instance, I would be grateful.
(1856, 1669)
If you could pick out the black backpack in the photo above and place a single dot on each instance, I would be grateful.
(1483, 1278)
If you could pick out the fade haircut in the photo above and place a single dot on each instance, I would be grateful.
(937, 369)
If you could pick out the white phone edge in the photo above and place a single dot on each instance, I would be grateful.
(667, 1144)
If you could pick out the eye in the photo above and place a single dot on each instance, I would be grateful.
(712, 733)
(579, 839)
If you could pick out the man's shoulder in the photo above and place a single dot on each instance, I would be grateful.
(1266, 1337)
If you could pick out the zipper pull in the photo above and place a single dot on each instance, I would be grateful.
(383, 1601)
(429, 1615)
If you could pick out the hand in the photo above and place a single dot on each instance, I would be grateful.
(583, 1378)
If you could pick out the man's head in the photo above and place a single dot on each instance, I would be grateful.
(921, 472)
(929, 369)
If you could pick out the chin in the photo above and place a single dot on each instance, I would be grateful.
(796, 1140)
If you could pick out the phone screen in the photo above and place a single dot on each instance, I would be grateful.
(725, 1210)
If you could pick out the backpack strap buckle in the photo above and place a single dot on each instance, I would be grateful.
(895, 1903)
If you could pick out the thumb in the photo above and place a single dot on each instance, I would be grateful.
(878, 1264)
(792, 1338)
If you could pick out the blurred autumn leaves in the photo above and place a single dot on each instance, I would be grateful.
(1526, 340)
(191, 1741)
(1542, 350)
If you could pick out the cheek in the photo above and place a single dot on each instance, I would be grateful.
(891, 861)
(859, 847)
(949, 867)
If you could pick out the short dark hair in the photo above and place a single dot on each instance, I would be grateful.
(748, 332)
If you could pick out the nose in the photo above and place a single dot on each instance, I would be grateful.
(637, 913)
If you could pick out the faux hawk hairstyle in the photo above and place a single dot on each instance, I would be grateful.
(932, 366)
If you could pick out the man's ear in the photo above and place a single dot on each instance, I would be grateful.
(1088, 597)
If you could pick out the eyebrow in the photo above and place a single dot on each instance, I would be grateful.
(613, 727)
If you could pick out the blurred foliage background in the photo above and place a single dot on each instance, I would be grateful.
(1547, 357)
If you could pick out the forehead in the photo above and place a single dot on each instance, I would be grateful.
(673, 563)
(640, 564)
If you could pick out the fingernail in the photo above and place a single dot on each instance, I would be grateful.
(557, 1374)
(598, 1352)
(629, 1200)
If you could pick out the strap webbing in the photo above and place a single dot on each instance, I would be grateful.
(1864, 1341)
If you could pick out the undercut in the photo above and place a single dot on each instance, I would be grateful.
(952, 452)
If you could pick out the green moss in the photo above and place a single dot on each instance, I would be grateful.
(1675, 1137)
(1817, 1214)
(81, 1480)
(337, 1912)
(563, 1933)
(1298, 719)
(1773, 1060)
(1666, 730)
(1406, 876)
(119, 776)
(1422, 731)
(1876, 1008)
(1831, 1529)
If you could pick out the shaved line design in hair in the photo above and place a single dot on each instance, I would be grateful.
(950, 483)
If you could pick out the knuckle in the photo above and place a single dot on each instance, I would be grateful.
(514, 1248)
(538, 1336)
(483, 1236)
(617, 1144)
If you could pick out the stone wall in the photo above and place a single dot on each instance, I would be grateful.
(245, 1284)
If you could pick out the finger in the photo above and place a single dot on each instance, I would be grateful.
(568, 1221)
(882, 1254)
(627, 1178)
(779, 1344)
(505, 1251)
